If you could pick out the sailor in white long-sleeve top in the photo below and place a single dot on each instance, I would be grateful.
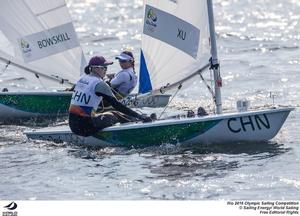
(125, 80)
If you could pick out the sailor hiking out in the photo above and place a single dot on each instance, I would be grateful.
(89, 91)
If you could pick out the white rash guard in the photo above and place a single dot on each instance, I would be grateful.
(124, 81)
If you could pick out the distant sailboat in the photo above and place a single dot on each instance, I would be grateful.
(45, 44)
(179, 43)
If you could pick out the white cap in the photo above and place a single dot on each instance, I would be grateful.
(125, 57)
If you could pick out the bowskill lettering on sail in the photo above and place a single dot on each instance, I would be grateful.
(48, 42)
(53, 40)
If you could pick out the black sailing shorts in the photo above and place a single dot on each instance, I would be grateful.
(87, 126)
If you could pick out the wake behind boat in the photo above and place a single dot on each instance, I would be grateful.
(186, 50)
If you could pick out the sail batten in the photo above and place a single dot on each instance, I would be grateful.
(50, 10)
(175, 44)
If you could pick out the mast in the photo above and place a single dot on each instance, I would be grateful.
(214, 58)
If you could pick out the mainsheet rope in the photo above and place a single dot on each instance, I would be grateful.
(179, 87)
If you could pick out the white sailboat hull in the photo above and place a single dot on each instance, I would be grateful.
(249, 126)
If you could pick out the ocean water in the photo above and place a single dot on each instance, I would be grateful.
(258, 46)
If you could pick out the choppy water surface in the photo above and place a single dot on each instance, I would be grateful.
(258, 45)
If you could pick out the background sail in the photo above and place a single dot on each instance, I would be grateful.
(175, 42)
(46, 21)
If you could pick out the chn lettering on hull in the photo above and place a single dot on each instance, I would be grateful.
(248, 123)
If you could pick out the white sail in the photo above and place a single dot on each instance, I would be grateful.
(175, 42)
(34, 71)
(43, 36)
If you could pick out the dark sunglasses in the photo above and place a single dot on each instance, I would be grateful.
(101, 67)
(123, 61)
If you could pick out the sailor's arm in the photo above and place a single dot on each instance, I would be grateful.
(102, 89)
(118, 80)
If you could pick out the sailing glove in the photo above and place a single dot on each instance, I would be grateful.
(145, 119)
